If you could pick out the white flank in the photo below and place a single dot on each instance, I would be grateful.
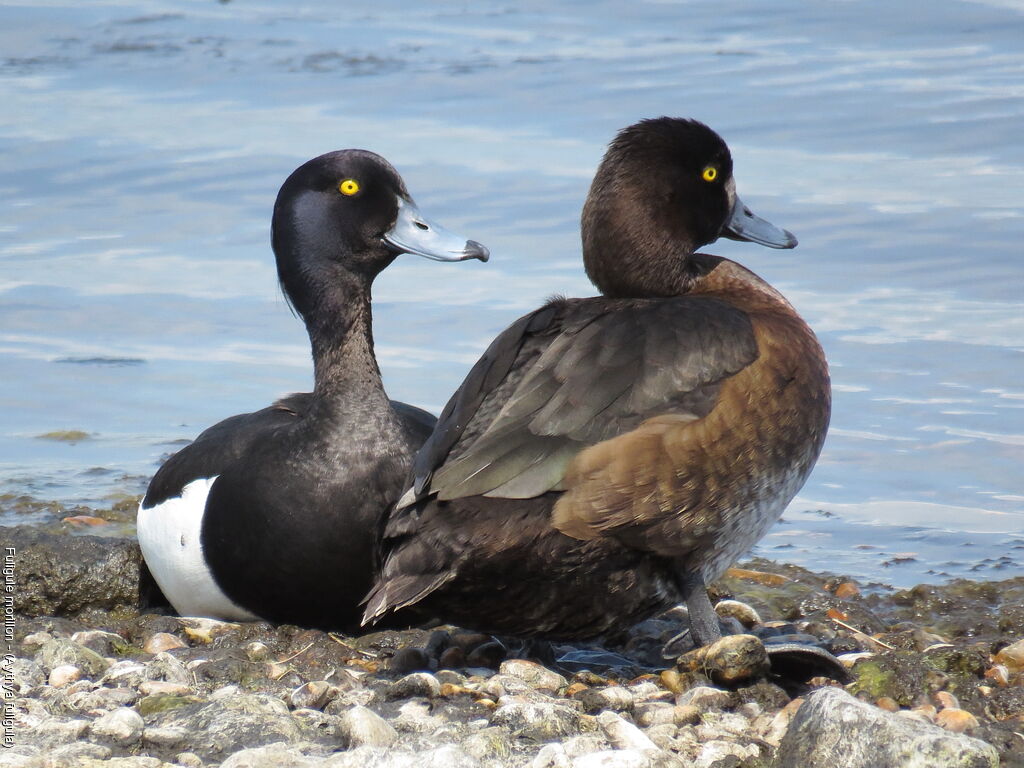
(169, 538)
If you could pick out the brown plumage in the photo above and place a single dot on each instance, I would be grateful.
(608, 456)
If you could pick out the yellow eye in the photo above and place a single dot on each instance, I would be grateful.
(710, 173)
(348, 187)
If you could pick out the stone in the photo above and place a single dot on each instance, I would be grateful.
(122, 727)
(58, 652)
(104, 643)
(64, 675)
(1012, 657)
(163, 641)
(956, 720)
(164, 738)
(534, 674)
(53, 732)
(489, 744)
(127, 673)
(361, 727)
(312, 695)
(409, 659)
(415, 684)
(728, 661)
(625, 758)
(742, 612)
(271, 756)
(614, 698)
(60, 575)
(166, 667)
(102, 699)
(148, 687)
(489, 655)
(541, 721)
(706, 698)
(623, 734)
(834, 729)
(719, 752)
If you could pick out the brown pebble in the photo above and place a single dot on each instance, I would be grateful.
(84, 521)
(575, 688)
(946, 700)
(488, 655)
(672, 680)
(1012, 656)
(367, 665)
(847, 590)
(927, 710)
(888, 704)
(956, 720)
(686, 714)
(452, 658)
(729, 660)
(489, 703)
(742, 612)
(999, 674)
(163, 641)
(64, 675)
(408, 660)
(450, 689)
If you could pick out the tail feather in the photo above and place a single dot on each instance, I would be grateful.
(393, 594)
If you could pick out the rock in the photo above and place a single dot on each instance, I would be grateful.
(409, 659)
(706, 698)
(452, 658)
(1012, 657)
(415, 684)
(489, 655)
(719, 752)
(53, 732)
(614, 697)
(148, 687)
(122, 727)
(535, 675)
(102, 699)
(728, 661)
(361, 727)
(257, 651)
(742, 612)
(127, 673)
(164, 738)
(57, 653)
(64, 675)
(312, 695)
(541, 721)
(104, 643)
(625, 758)
(163, 641)
(169, 669)
(834, 729)
(272, 756)
(623, 734)
(956, 720)
(489, 744)
(24, 674)
(59, 575)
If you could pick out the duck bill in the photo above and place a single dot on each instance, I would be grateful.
(415, 233)
(744, 224)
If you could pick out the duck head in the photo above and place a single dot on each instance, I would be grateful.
(664, 189)
(344, 217)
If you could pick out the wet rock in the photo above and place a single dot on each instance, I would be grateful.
(58, 652)
(61, 575)
(728, 661)
(361, 727)
(1012, 657)
(415, 684)
(53, 732)
(273, 756)
(104, 643)
(533, 674)
(740, 611)
(127, 673)
(541, 721)
(164, 738)
(626, 758)
(832, 728)
(956, 720)
(489, 655)
(101, 699)
(408, 660)
(492, 744)
(122, 727)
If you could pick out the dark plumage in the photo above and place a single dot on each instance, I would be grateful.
(285, 531)
(609, 456)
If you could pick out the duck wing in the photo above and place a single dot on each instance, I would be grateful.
(571, 375)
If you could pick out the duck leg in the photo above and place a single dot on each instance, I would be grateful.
(704, 627)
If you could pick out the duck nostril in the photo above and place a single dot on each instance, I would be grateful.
(421, 225)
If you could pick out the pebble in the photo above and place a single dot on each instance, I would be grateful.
(1012, 657)
(946, 700)
(123, 727)
(847, 590)
(150, 687)
(409, 659)
(59, 652)
(64, 675)
(164, 738)
(998, 674)
(534, 674)
(728, 661)
(735, 609)
(163, 641)
(888, 704)
(614, 698)
(623, 734)
(361, 727)
(452, 658)
(415, 684)
(104, 643)
(312, 695)
(956, 720)
(489, 655)
(541, 721)
(706, 698)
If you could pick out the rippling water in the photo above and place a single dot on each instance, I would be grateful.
(142, 144)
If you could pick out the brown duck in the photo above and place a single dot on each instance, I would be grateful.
(608, 457)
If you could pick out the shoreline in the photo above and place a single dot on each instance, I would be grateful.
(97, 679)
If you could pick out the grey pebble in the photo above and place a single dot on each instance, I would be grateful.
(362, 727)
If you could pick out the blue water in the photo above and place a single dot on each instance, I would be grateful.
(142, 144)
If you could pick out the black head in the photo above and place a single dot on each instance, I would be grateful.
(664, 188)
(345, 216)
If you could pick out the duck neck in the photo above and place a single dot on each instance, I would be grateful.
(341, 336)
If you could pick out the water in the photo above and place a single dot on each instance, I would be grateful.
(142, 144)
